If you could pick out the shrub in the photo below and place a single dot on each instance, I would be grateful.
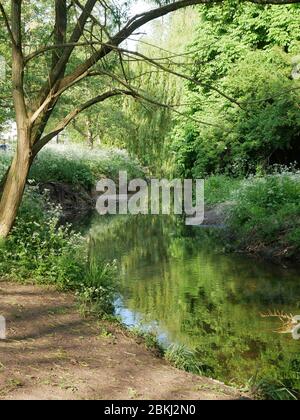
(267, 211)
(78, 165)
(37, 248)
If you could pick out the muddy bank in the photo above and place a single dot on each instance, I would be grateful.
(75, 201)
(53, 353)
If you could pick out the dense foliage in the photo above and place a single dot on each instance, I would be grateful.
(246, 51)
(150, 124)
(76, 165)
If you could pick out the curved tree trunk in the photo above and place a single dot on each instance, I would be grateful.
(13, 189)
(15, 180)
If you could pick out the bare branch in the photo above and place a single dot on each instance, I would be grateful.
(48, 48)
(175, 73)
(139, 95)
(96, 21)
(3, 12)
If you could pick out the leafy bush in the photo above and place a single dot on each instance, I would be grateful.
(78, 165)
(267, 212)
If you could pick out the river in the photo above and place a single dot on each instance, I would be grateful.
(178, 282)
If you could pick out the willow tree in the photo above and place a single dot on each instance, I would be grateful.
(74, 43)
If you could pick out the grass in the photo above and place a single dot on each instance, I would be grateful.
(259, 388)
(265, 389)
(97, 292)
(183, 358)
(178, 356)
(219, 189)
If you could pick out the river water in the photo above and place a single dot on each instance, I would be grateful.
(178, 282)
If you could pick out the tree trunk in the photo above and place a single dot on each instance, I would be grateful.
(14, 183)
(13, 189)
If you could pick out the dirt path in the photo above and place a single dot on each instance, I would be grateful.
(51, 352)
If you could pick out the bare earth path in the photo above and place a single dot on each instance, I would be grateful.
(51, 352)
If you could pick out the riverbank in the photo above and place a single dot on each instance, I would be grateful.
(260, 215)
(276, 253)
(52, 352)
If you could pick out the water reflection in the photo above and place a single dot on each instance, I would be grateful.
(176, 282)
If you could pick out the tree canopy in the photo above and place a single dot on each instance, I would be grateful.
(247, 51)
